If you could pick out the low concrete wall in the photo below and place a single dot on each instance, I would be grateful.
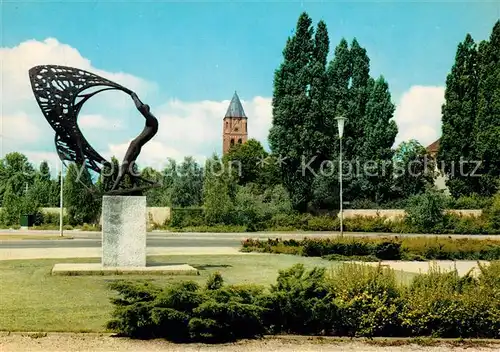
(155, 215)
(466, 212)
(158, 215)
(53, 210)
(386, 213)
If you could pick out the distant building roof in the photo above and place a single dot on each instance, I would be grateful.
(433, 147)
(235, 108)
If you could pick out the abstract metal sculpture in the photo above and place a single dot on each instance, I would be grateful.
(60, 93)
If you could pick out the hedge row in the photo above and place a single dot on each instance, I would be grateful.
(352, 300)
(451, 224)
(382, 248)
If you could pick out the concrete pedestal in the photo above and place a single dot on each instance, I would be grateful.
(123, 243)
(123, 231)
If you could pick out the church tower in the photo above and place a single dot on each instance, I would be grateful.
(234, 126)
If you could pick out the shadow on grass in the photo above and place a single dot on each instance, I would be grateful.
(211, 266)
(163, 263)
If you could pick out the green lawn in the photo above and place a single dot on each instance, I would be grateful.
(31, 299)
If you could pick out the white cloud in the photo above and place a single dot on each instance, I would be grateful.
(418, 114)
(16, 62)
(18, 127)
(98, 122)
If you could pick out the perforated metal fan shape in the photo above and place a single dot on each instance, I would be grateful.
(59, 91)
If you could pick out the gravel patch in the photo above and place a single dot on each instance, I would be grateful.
(105, 342)
(462, 266)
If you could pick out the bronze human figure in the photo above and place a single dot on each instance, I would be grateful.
(134, 149)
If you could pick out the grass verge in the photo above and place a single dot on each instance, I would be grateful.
(34, 300)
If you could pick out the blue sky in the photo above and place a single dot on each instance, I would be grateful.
(203, 51)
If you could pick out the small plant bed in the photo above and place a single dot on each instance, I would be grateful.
(350, 300)
(381, 248)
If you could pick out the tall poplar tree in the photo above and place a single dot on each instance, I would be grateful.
(316, 123)
(458, 118)
(291, 109)
(487, 124)
(369, 131)
(376, 152)
(359, 88)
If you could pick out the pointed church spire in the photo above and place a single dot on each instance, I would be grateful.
(235, 108)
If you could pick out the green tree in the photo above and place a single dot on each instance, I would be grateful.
(458, 117)
(278, 199)
(315, 137)
(108, 175)
(249, 161)
(487, 124)
(188, 186)
(291, 123)
(11, 206)
(44, 171)
(369, 131)
(16, 204)
(426, 211)
(81, 203)
(156, 196)
(218, 192)
(380, 131)
(42, 186)
(414, 169)
(16, 170)
(169, 178)
(55, 191)
(358, 95)
(326, 192)
(338, 74)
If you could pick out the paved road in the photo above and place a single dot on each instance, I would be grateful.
(92, 243)
(82, 239)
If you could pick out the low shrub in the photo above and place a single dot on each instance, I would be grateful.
(187, 312)
(214, 228)
(368, 224)
(383, 248)
(446, 305)
(323, 223)
(295, 221)
(184, 217)
(426, 211)
(350, 300)
(51, 218)
(469, 202)
(493, 212)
